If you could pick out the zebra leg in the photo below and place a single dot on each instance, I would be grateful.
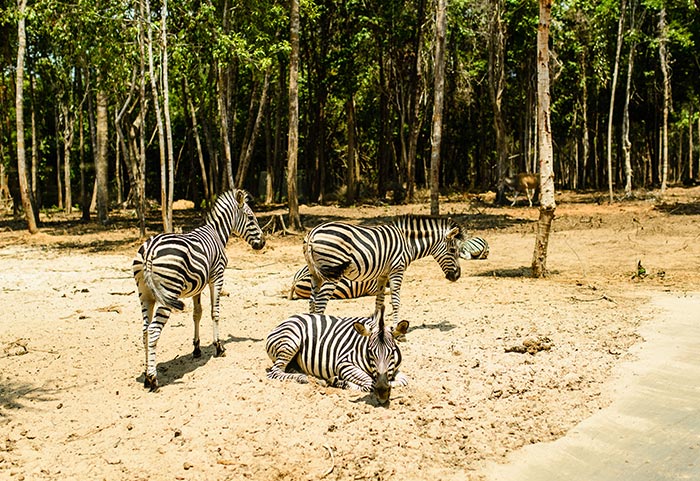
(399, 380)
(197, 316)
(281, 358)
(395, 282)
(215, 289)
(322, 297)
(151, 336)
(352, 377)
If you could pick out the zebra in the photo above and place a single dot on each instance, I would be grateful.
(172, 266)
(474, 248)
(345, 289)
(348, 352)
(336, 250)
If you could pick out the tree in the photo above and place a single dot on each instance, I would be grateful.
(664, 61)
(293, 137)
(623, 6)
(547, 203)
(497, 82)
(438, 102)
(19, 106)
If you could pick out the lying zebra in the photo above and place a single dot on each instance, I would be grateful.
(168, 267)
(473, 248)
(348, 352)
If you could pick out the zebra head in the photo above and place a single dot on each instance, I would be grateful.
(446, 252)
(245, 224)
(383, 353)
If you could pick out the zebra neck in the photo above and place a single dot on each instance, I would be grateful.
(222, 223)
(421, 234)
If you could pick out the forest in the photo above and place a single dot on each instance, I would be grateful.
(111, 101)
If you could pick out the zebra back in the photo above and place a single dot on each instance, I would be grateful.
(474, 248)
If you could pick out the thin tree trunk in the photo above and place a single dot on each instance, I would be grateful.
(59, 183)
(664, 59)
(439, 100)
(626, 144)
(167, 225)
(36, 194)
(416, 103)
(247, 154)
(585, 143)
(166, 112)
(19, 106)
(613, 88)
(198, 142)
(496, 73)
(547, 203)
(293, 147)
(352, 173)
(84, 201)
(101, 160)
(690, 145)
(68, 134)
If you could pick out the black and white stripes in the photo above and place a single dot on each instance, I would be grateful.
(168, 267)
(348, 352)
(338, 250)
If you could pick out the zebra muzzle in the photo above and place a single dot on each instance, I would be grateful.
(382, 388)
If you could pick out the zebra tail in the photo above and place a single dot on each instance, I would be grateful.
(168, 301)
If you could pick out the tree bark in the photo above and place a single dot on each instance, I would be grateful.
(416, 104)
(496, 72)
(247, 152)
(613, 88)
(197, 140)
(293, 147)
(353, 171)
(664, 60)
(101, 161)
(547, 203)
(19, 106)
(439, 100)
(170, 186)
(68, 134)
(626, 144)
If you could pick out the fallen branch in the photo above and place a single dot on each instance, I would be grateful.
(329, 470)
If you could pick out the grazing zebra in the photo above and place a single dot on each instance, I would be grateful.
(348, 352)
(474, 248)
(171, 266)
(337, 250)
(345, 289)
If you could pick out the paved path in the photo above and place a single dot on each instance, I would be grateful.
(651, 431)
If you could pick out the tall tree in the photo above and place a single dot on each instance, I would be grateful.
(497, 82)
(664, 62)
(293, 137)
(438, 102)
(101, 159)
(613, 88)
(19, 106)
(547, 203)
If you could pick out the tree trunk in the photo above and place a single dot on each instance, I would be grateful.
(293, 148)
(68, 134)
(84, 201)
(436, 141)
(416, 104)
(547, 203)
(664, 59)
(197, 140)
(19, 106)
(170, 188)
(626, 144)
(353, 171)
(247, 153)
(613, 88)
(586, 143)
(101, 160)
(690, 145)
(496, 73)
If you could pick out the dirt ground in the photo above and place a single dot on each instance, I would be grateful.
(73, 406)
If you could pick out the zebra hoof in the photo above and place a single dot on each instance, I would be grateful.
(150, 383)
(220, 350)
(197, 351)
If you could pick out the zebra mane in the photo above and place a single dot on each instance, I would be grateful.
(409, 219)
(380, 325)
(224, 202)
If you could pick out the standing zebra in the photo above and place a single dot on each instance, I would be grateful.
(335, 250)
(474, 248)
(345, 289)
(171, 266)
(348, 352)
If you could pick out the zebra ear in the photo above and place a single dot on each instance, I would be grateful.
(361, 329)
(453, 233)
(400, 329)
(241, 197)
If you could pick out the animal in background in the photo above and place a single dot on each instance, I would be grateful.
(168, 267)
(474, 248)
(348, 352)
(337, 250)
(523, 183)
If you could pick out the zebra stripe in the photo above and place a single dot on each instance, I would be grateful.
(348, 352)
(345, 289)
(474, 248)
(168, 267)
(338, 250)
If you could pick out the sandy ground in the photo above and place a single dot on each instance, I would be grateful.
(73, 406)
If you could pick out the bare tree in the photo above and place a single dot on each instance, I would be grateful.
(101, 161)
(19, 106)
(616, 68)
(166, 112)
(293, 142)
(626, 144)
(664, 60)
(547, 203)
(497, 82)
(438, 102)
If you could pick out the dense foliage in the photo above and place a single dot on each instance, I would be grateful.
(365, 72)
